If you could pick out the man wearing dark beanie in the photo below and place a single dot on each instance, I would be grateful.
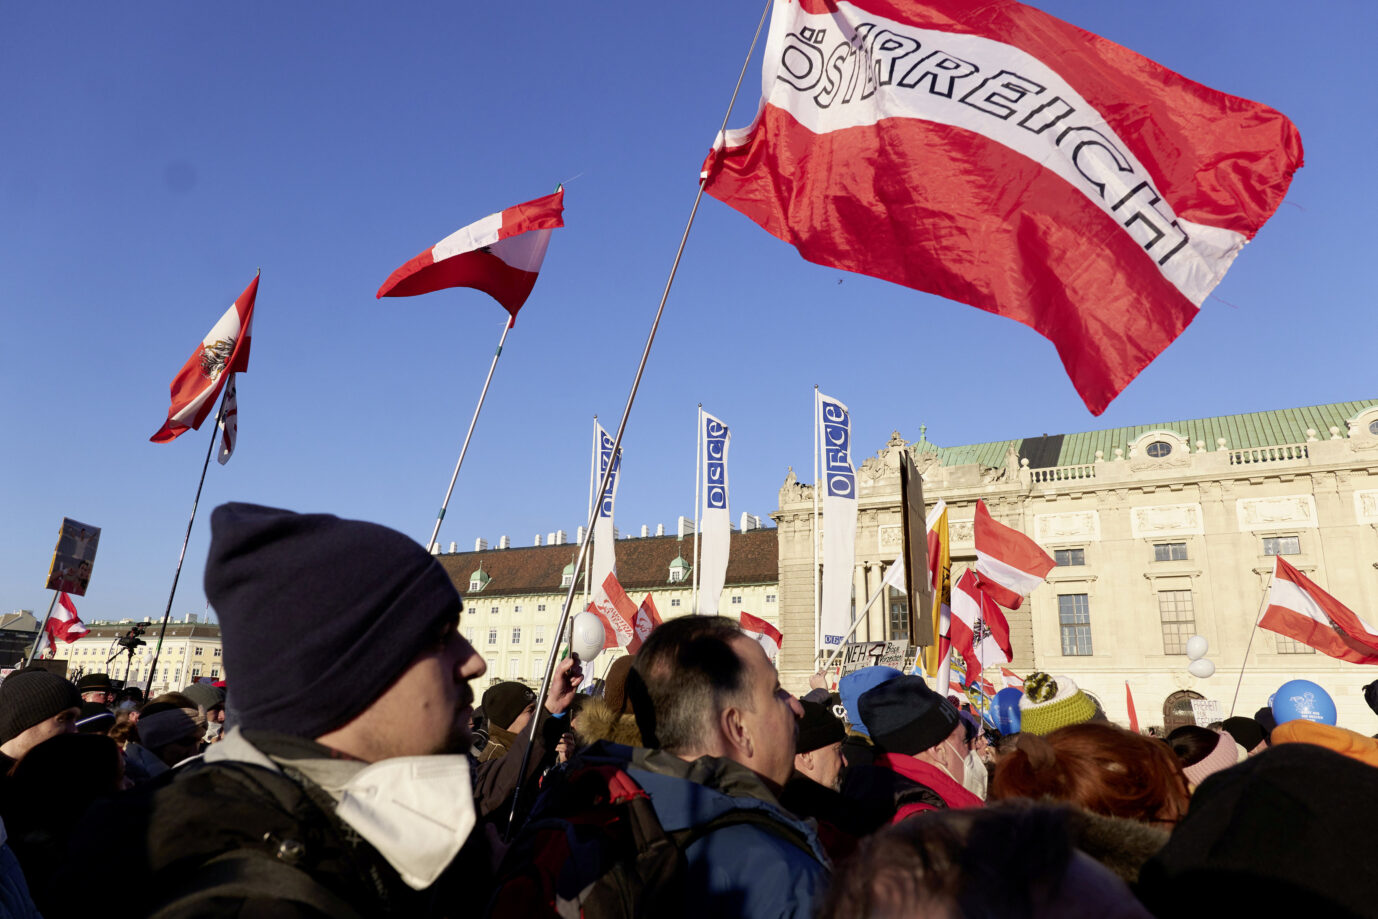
(34, 705)
(344, 788)
(921, 736)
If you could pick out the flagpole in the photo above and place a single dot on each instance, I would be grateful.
(553, 656)
(38, 639)
(817, 599)
(593, 472)
(856, 621)
(507, 324)
(1245, 662)
(698, 478)
(181, 556)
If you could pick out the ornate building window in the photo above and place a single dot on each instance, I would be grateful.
(1178, 618)
(1066, 557)
(1282, 545)
(1158, 449)
(1074, 620)
(1170, 552)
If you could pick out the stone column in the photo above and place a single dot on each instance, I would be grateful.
(863, 631)
(880, 613)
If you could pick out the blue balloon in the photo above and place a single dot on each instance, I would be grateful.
(1004, 710)
(1303, 700)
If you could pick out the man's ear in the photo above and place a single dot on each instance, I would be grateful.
(735, 732)
(804, 760)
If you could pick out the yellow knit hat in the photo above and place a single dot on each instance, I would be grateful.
(1051, 702)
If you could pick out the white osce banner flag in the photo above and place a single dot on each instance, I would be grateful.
(604, 547)
(717, 519)
(839, 518)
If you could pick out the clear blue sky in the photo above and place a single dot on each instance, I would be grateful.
(156, 154)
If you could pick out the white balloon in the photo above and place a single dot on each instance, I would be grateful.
(1196, 647)
(587, 638)
(1202, 668)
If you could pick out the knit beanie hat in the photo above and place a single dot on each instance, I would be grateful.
(818, 728)
(852, 685)
(905, 716)
(1341, 740)
(318, 615)
(1246, 732)
(1225, 755)
(31, 696)
(1051, 702)
(95, 718)
(1265, 719)
(615, 685)
(504, 702)
(168, 724)
(205, 695)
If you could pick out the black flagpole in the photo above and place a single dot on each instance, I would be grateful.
(215, 434)
(554, 655)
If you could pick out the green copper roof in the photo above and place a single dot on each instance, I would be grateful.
(1253, 429)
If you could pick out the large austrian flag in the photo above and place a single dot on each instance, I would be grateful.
(499, 255)
(224, 351)
(1303, 612)
(1009, 565)
(770, 638)
(990, 153)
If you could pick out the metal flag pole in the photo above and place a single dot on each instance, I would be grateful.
(181, 556)
(593, 472)
(38, 638)
(857, 619)
(698, 478)
(817, 599)
(1263, 604)
(554, 655)
(507, 324)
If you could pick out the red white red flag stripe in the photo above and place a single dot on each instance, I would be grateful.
(646, 620)
(995, 155)
(769, 636)
(1302, 611)
(64, 623)
(499, 255)
(979, 631)
(224, 350)
(618, 612)
(1009, 564)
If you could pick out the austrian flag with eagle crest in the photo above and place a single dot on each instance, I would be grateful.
(224, 351)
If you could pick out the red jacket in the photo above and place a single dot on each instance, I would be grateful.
(931, 777)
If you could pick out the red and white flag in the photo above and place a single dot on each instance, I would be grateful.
(979, 631)
(1129, 704)
(1010, 564)
(499, 255)
(618, 612)
(64, 624)
(644, 622)
(223, 352)
(992, 154)
(768, 635)
(1302, 611)
(229, 424)
(1011, 678)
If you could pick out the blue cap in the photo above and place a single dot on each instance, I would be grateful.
(851, 686)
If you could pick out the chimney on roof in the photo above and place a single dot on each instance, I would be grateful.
(660, 529)
(480, 545)
(579, 534)
(749, 522)
(538, 539)
(561, 537)
(435, 548)
(550, 538)
(686, 526)
(504, 542)
(645, 531)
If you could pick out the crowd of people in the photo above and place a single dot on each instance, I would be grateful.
(348, 773)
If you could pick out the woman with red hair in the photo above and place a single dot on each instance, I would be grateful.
(1128, 790)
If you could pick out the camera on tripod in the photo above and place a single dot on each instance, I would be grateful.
(131, 639)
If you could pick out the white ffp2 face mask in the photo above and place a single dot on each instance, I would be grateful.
(417, 811)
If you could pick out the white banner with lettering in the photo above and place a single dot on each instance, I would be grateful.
(604, 538)
(717, 519)
(839, 519)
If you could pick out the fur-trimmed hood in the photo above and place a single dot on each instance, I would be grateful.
(1120, 844)
(597, 721)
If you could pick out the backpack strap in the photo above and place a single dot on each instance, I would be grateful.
(745, 817)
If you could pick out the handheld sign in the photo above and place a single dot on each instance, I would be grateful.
(73, 557)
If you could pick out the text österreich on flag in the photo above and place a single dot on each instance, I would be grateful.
(499, 255)
(618, 612)
(769, 637)
(1000, 157)
(1009, 564)
(1302, 611)
(224, 351)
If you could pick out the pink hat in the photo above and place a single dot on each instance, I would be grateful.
(1222, 757)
